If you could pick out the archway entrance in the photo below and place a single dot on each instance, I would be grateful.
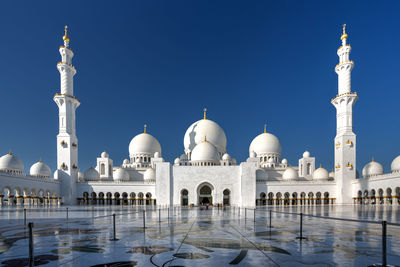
(205, 197)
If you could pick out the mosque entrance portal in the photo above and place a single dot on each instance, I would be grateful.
(205, 197)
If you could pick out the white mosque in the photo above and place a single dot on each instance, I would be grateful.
(205, 174)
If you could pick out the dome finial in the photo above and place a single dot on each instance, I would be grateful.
(65, 37)
(373, 160)
(40, 160)
(145, 128)
(320, 165)
(9, 152)
(265, 128)
(205, 113)
(205, 138)
(344, 35)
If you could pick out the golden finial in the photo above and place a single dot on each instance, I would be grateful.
(205, 113)
(40, 160)
(145, 128)
(344, 35)
(373, 159)
(9, 152)
(320, 165)
(65, 37)
(265, 128)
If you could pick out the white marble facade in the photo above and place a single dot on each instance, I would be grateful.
(205, 174)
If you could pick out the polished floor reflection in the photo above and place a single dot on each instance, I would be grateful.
(197, 237)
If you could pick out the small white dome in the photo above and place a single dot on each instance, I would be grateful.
(306, 154)
(144, 143)
(40, 169)
(371, 169)
(284, 161)
(104, 155)
(149, 174)
(157, 155)
(395, 167)
(205, 128)
(226, 156)
(266, 143)
(121, 174)
(183, 157)
(253, 154)
(270, 160)
(10, 162)
(177, 161)
(205, 152)
(290, 174)
(320, 174)
(92, 174)
(81, 177)
(126, 161)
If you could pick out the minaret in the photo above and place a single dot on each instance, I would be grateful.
(67, 142)
(345, 140)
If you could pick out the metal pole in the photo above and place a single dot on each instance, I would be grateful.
(168, 213)
(67, 214)
(384, 223)
(301, 227)
(115, 231)
(245, 213)
(24, 216)
(144, 219)
(159, 215)
(254, 215)
(270, 218)
(31, 260)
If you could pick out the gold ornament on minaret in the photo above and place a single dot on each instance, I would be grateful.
(65, 37)
(344, 35)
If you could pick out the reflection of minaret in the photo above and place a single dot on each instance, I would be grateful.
(67, 142)
(345, 140)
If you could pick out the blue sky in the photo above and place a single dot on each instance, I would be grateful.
(161, 62)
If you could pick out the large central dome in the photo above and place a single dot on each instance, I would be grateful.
(196, 133)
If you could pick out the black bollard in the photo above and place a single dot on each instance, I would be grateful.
(67, 214)
(254, 215)
(159, 215)
(168, 214)
(144, 219)
(114, 234)
(245, 213)
(24, 216)
(301, 227)
(31, 260)
(384, 223)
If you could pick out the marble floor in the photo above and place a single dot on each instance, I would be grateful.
(195, 237)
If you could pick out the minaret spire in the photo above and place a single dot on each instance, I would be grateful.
(67, 142)
(345, 140)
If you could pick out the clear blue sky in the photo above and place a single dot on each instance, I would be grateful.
(161, 62)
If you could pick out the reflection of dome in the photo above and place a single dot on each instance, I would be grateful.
(205, 128)
(104, 155)
(226, 156)
(91, 174)
(205, 152)
(395, 167)
(371, 169)
(10, 162)
(149, 174)
(81, 177)
(40, 169)
(177, 161)
(306, 154)
(144, 143)
(266, 143)
(121, 174)
(290, 174)
(320, 174)
(284, 161)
